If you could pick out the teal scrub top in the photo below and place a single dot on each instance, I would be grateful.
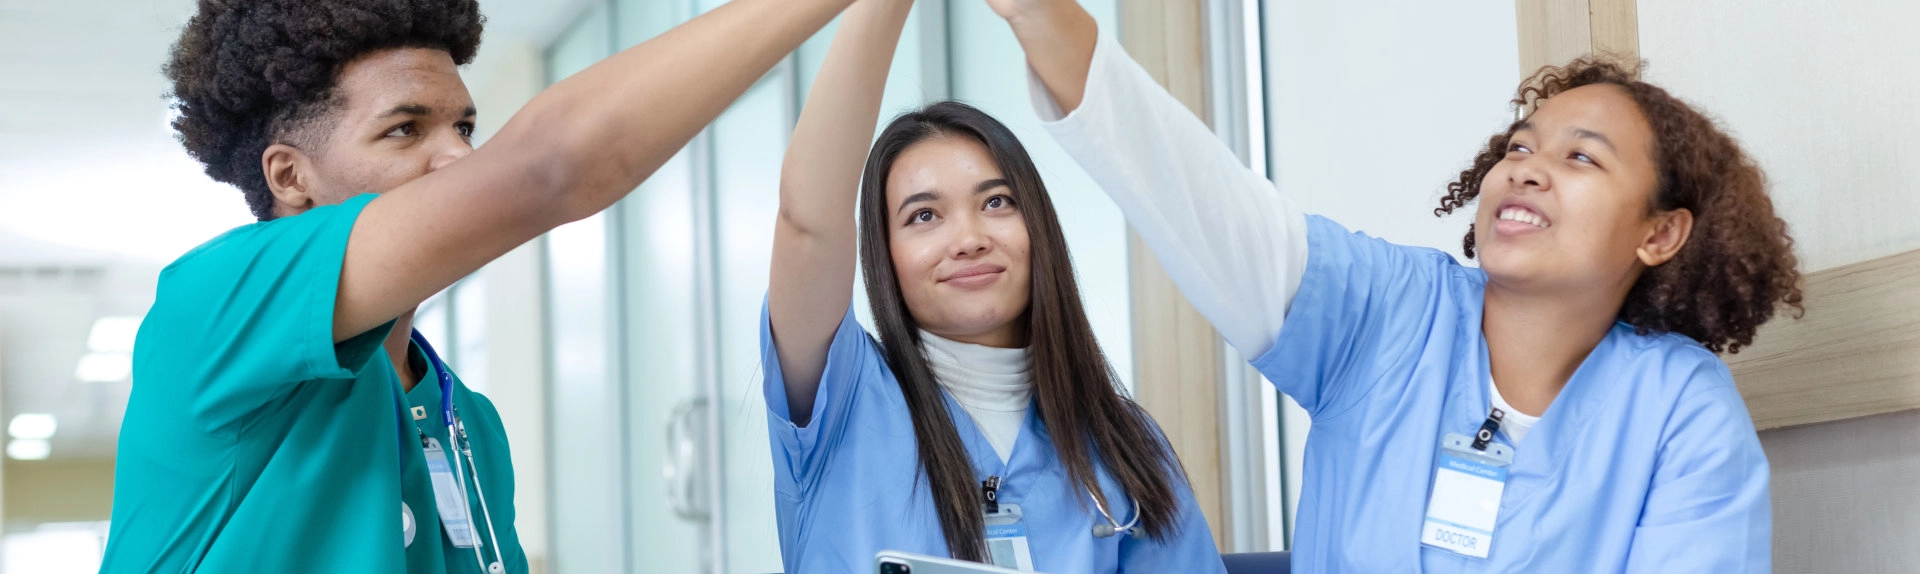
(253, 442)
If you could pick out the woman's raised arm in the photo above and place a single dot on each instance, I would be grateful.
(813, 239)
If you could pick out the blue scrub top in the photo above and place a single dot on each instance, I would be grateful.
(848, 485)
(1647, 461)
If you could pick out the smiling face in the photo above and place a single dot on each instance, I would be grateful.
(402, 114)
(1571, 204)
(959, 244)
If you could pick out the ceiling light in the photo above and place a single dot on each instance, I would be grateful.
(28, 449)
(33, 426)
(113, 334)
(104, 367)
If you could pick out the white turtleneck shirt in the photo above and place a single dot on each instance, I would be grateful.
(990, 383)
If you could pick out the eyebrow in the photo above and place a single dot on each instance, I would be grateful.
(1593, 135)
(981, 187)
(420, 110)
(916, 198)
(1582, 133)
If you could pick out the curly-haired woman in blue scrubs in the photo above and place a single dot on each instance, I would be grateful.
(985, 424)
(1559, 409)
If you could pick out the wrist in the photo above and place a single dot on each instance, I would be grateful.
(1039, 16)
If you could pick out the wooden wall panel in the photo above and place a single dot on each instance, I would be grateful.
(1553, 32)
(1856, 353)
(1176, 353)
(1614, 27)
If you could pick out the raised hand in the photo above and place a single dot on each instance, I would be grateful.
(1058, 36)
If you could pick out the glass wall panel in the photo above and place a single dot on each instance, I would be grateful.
(749, 140)
(470, 332)
(668, 476)
(585, 422)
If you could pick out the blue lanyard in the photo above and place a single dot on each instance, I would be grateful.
(446, 394)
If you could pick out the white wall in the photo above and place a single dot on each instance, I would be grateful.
(1374, 107)
(1823, 95)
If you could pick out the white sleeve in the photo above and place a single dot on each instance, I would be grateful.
(1234, 244)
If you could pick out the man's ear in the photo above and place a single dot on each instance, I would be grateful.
(1669, 233)
(289, 176)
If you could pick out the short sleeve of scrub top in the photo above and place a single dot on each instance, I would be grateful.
(252, 311)
(250, 437)
(797, 450)
(1362, 303)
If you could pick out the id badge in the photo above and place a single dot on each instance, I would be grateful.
(1465, 501)
(1007, 539)
(448, 496)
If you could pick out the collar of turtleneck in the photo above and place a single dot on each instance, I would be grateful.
(980, 377)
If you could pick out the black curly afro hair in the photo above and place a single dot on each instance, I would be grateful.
(249, 73)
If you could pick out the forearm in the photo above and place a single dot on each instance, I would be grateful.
(1234, 245)
(604, 130)
(1058, 37)
(821, 170)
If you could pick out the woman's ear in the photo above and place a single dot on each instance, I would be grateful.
(289, 177)
(1669, 233)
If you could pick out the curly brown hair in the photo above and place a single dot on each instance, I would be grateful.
(1736, 268)
(249, 73)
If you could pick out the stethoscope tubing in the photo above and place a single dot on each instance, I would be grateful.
(457, 432)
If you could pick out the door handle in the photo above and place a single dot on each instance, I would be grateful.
(686, 459)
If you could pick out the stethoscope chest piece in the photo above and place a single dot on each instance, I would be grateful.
(407, 526)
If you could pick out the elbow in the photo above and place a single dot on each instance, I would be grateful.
(552, 177)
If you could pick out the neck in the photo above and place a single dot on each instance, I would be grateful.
(1009, 335)
(397, 344)
(1535, 342)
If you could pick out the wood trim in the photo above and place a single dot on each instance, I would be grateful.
(1614, 26)
(1855, 353)
(1553, 32)
(1176, 353)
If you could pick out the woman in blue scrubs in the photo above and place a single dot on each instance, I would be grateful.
(986, 424)
(1560, 408)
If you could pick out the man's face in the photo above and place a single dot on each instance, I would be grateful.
(402, 114)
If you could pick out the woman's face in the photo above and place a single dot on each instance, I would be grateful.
(1570, 204)
(959, 244)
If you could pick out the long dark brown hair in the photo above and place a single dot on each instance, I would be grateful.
(1076, 391)
(1736, 269)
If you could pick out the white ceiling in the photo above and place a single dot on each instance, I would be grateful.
(96, 196)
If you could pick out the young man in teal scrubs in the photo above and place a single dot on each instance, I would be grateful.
(275, 423)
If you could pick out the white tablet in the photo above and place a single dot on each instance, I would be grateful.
(891, 562)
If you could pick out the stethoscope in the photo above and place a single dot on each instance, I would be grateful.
(990, 491)
(456, 430)
(1111, 526)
